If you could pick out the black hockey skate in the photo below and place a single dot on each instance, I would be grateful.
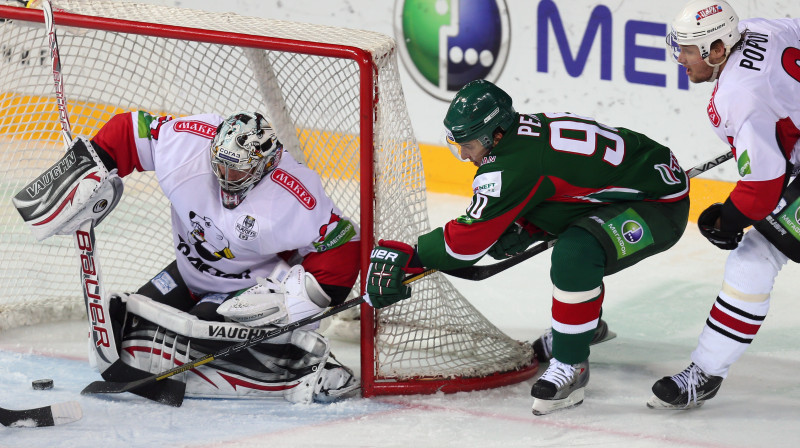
(543, 347)
(688, 389)
(560, 387)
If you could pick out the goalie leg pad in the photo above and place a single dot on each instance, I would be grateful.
(158, 337)
(76, 188)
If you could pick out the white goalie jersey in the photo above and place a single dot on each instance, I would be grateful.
(220, 249)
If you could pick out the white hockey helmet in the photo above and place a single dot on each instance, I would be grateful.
(244, 149)
(701, 23)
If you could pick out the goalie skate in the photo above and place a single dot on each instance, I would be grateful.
(686, 390)
(335, 382)
(543, 347)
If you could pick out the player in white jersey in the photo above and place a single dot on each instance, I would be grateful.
(755, 108)
(258, 243)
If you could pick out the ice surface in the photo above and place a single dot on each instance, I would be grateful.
(657, 308)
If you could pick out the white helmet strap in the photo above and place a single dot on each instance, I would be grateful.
(717, 66)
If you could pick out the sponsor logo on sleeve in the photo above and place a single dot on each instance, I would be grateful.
(488, 184)
(295, 187)
(196, 127)
(744, 164)
(335, 233)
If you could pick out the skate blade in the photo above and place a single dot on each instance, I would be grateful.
(544, 407)
(658, 404)
(609, 336)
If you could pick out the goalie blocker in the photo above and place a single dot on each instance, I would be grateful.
(77, 188)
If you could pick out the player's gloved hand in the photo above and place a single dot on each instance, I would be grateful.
(517, 237)
(388, 264)
(724, 239)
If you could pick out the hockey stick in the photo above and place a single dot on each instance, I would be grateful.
(93, 291)
(58, 78)
(174, 396)
(708, 164)
(56, 414)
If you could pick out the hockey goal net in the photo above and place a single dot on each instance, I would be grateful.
(336, 100)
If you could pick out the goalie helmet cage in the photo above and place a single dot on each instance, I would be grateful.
(335, 98)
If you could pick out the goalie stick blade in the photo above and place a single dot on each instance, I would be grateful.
(169, 392)
(120, 377)
(57, 414)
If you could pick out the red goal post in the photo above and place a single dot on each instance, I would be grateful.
(335, 97)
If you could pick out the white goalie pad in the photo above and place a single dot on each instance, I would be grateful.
(75, 189)
(291, 366)
(296, 297)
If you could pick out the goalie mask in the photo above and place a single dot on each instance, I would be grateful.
(244, 149)
(478, 110)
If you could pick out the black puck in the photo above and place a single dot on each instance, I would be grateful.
(42, 384)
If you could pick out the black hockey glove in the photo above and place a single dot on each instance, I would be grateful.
(389, 262)
(518, 237)
(724, 239)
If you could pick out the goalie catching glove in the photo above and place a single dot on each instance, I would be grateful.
(77, 188)
(388, 264)
(270, 302)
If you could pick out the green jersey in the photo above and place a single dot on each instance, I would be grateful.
(551, 169)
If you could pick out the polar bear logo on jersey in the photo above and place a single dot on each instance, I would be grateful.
(207, 239)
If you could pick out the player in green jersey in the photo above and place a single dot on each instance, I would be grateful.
(611, 196)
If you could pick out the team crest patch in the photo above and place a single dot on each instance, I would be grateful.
(246, 227)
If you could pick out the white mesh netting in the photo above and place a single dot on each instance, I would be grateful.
(436, 333)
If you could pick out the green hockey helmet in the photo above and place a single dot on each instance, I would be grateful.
(476, 112)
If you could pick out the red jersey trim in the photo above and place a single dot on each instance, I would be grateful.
(469, 240)
(116, 138)
(335, 267)
(757, 199)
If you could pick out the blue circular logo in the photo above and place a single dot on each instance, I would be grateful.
(444, 44)
(632, 231)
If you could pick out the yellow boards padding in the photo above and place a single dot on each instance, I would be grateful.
(31, 117)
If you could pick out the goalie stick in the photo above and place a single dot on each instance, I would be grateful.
(56, 414)
(91, 281)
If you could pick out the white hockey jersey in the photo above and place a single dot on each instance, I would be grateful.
(220, 249)
(755, 108)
